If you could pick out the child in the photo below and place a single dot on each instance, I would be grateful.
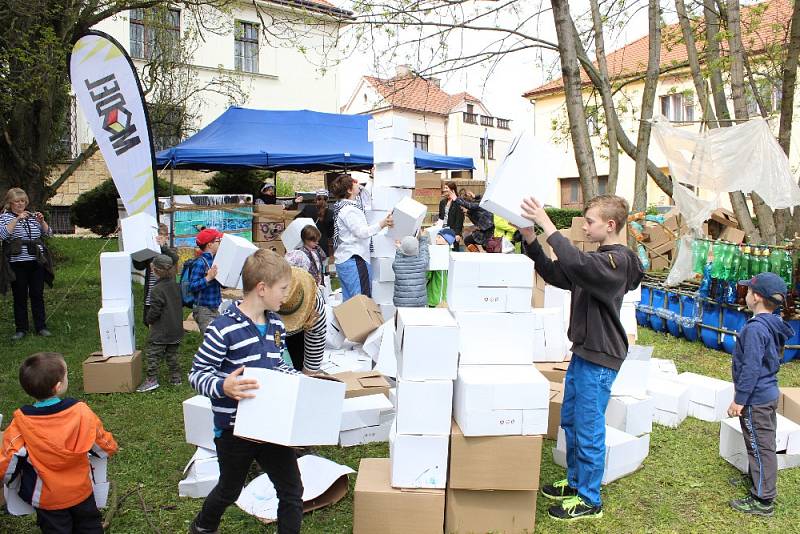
(482, 219)
(756, 360)
(309, 256)
(149, 277)
(411, 272)
(437, 280)
(47, 447)
(598, 281)
(248, 333)
(165, 319)
(207, 291)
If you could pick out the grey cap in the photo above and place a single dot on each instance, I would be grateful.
(162, 262)
(409, 245)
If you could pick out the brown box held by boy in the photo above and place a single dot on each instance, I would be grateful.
(115, 374)
(471, 511)
(494, 462)
(361, 383)
(358, 317)
(378, 507)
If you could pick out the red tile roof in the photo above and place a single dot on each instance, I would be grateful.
(418, 94)
(763, 24)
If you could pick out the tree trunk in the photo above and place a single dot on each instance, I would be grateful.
(694, 63)
(648, 101)
(579, 130)
(713, 63)
(787, 100)
(608, 101)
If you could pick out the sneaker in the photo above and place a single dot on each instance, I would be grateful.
(44, 332)
(148, 385)
(194, 529)
(175, 380)
(751, 505)
(559, 490)
(17, 336)
(573, 509)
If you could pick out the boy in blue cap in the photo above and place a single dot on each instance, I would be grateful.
(756, 361)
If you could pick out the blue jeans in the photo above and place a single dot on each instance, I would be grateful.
(355, 275)
(587, 388)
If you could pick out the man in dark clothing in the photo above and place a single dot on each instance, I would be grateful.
(482, 219)
(598, 281)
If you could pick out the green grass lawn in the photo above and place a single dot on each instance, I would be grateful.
(683, 487)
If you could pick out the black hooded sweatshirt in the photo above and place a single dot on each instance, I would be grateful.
(598, 281)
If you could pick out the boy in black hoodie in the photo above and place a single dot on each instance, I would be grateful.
(598, 281)
(755, 364)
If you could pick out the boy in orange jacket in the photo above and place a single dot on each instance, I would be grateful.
(47, 445)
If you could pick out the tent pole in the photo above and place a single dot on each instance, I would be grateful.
(172, 205)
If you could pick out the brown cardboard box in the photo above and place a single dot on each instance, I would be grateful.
(429, 180)
(576, 229)
(672, 223)
(656, 236)
(664, 248)
(586, 246)
(361, 383)
(789, 404)
(554, 411)
(116, 374)
(276, 246)
(358, 317)
(494, 462)
(732, 235)
(377, 507)
(269, 222)
(659, 264)
(472, 511)
(553, 371)
(724, 217)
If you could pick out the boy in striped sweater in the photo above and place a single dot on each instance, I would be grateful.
(249, 333)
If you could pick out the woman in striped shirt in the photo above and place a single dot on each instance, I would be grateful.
(21, 232)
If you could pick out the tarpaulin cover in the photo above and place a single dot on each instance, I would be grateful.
(287, 140)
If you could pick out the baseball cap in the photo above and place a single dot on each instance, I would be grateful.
(448, 235)
(767, 285)
(207, 236)
(267, 186)
(162, 261)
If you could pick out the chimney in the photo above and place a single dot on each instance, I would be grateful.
(403, 71)
(436, 81)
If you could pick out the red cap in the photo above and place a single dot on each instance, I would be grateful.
(207, 236)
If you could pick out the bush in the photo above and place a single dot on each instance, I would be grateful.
(562, 218)
(237, 182)
(96, 209)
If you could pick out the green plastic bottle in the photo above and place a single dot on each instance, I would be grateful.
(786, 269)
(764, 265)
(735, 264)
(776, 261)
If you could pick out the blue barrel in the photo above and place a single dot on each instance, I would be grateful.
(732, 320)
(674, 305)
(791, 354)
(641, 316)
(659, 302)
(710, 318)
(688, 304)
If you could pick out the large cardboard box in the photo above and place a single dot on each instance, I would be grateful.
(198, 422)
(393, 127)
(733, 450)
(291, 235)
(418, 461)
(515, 337)
(382, 292)
(631, 415)
(553, 371)
(382, 270)
(709, 398)
(379, 508)
(501, 400)
(358, 317)
(424, 407)
(494, 462)
(364, 411)
(393, 151)
(310, 409)
(489, 282)
(426, 341)
(269, 222)
(470, 511)
(670, 401)
(201, 474)
(632, 376)
(407, 216)
(115, 279)
(394, 175)
(368, 434)
(139, 234)
(118, 374)
(789, 404)
(428, 180)
(383, 246)
(117, 332)
(624, 453)
(438, 257)
(230, 258)
(554, 409)
(732, 235)
(384, 199)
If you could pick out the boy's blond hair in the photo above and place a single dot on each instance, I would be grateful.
(611, 207)
(264, 266)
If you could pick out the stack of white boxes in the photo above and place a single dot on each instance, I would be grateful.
(115, 318)
(202, 471)
(426, 343)
(709, 398)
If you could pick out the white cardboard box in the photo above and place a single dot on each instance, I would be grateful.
(733, 450)
(334, 337)
(632, 376)
(383, 245)
(372, 345)
(394, 175)
(383, 292)
(291, 409)
(291, 235)
(438, 257)
(117, 333)
(342, 360)
(394, 127)
(627, 316)
(426, 341)
(375, 216)
(230, 258)
(634, 296)
(407, 216)
(489, 282)
(139, 234)
(392, 151)
(200, 474)
(364, 411)
(386, 362)
(552, 345)
(670, 401)
(514, 340)
(388, 311)
(115, 279)
(624, 453)
(496, 400)
(368, 434)
(709, 398)
(382, 270)
(418, 461)
(631, 415)
(513, 181)
(661, 368)
(424, 407)
(384, 199)
(198, 422)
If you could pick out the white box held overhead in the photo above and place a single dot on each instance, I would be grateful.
(418, 461)
(115, 279)
(230, 258)
(489, 282)
(291, 235)
(139, 234)
(424, 407)
(426, 340)
(407, 216)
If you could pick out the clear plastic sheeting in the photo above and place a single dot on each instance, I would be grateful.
(682, 267)
(745, 157)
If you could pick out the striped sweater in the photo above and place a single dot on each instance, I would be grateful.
(231, 341)
(25, 229)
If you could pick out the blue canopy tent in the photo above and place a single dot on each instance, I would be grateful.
(302, 140)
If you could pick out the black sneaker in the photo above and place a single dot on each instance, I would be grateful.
(751, 505)
(559, 490)
(573, 509)
(194, 529)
